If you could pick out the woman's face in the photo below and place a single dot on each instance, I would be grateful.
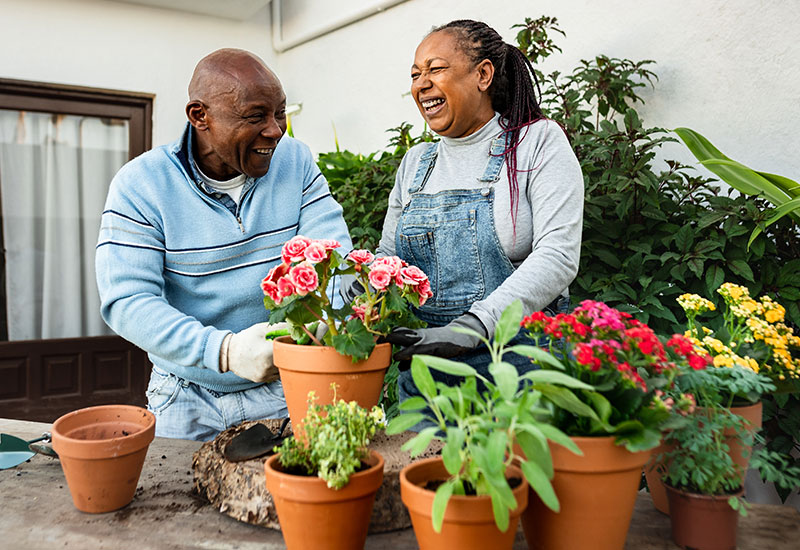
(450, 91)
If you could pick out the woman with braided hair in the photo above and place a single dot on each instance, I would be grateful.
(492, 212)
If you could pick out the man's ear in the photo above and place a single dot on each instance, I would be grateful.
(485, 74)
(196, 113)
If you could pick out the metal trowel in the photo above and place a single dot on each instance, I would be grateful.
(255, 441)
(15, 451)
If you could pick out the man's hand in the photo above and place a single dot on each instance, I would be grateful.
(249, 354)
(439, 341)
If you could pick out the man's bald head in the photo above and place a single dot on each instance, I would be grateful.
(237, 108)
(224, 72)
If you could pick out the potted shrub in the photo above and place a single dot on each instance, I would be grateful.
(752, 334)
(627, 365)
(300, 291)
(323, 485)
(702, 480)
(495, 435)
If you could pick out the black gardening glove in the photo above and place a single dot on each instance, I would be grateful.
(438, 341)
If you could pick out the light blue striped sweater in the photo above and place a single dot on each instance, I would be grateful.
(177, 270)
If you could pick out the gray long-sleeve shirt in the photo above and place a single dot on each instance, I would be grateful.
(545, 244)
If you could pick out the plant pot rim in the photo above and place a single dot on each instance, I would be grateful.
(459, 501)
(101, 448)
(617, 456)
(325, 359)
(302, 487)
(703, 496)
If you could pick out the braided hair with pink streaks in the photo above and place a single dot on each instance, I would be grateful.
(512, 89)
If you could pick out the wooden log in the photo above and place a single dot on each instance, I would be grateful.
(238, 488)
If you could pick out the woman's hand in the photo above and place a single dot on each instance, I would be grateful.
(439, 341)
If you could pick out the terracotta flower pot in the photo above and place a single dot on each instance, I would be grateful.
(102, 450)
(596, 491)
(702, 522)
(306, 368)
(314, 516)
(468, 521)
(740, 454)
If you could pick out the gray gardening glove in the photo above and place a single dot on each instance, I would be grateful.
(439, 341)
(350, 288)
(248, 353)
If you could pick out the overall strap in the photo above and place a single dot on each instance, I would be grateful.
(492, 172)
(426, 163)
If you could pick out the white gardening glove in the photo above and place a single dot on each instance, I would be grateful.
(248, 353)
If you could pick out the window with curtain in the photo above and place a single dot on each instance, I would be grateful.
(54, 174)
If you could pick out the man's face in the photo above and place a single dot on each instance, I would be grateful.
(244, 124)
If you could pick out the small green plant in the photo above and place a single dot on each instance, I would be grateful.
(699, 460)
(334, 442)
(479, 427)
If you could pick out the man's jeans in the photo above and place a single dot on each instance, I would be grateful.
(185, 410)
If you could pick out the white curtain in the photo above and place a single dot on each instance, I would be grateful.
(54, 175)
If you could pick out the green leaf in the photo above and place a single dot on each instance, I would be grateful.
(781, 211)
(440, 500)
(541, 485)
(538, 354)
(554, 434)
(715, 276)
(447, 366)
(601, 405)
(415, 403)
(422, 376)
(555, 377)
(451, 452)
(508, 325)
(740, 268)
(500, 511)
(402, 422)
(417, 445)
(506, 377)
(496, 447)
(356, 342)
(534, 447)
(565, 399)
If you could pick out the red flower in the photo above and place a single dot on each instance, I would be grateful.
(304, 277)
(380, 277)
(294, 248)
(361, 256)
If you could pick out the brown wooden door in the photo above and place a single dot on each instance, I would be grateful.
(43, 378)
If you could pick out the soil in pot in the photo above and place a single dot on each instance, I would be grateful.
(314, 516)
(702, 522)
(102, 450)
(468, 521)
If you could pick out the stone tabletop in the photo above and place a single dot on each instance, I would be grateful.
(36, 512)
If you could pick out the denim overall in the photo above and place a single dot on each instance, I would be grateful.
(451, 236)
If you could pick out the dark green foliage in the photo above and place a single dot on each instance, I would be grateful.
(361, 184)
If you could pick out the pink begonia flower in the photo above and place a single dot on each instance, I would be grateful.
(359, 311)
(424, 292)
(361, 256)
(294, 248)
(412, 275)
(315, 252)
(329, 244)
(271, 289)
(304, 277)
(380, 277)
(285, 286)
(277, 272)
(392, 263)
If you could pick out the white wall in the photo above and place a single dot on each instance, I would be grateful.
(120, 46)
(728, 68)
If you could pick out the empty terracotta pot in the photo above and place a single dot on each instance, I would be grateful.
(306, 368)
(468, 520)
(314, 516)
(102, 450)
(702, 522)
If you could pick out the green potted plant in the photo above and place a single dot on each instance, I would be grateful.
(323, 482)
(627, 366)
(702, 480)
(300, 290)
(495, 435)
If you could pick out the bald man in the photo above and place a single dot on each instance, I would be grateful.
(189, 231)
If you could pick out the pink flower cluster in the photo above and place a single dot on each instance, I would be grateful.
(603, 337)
(386, 270)
(286, 279)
